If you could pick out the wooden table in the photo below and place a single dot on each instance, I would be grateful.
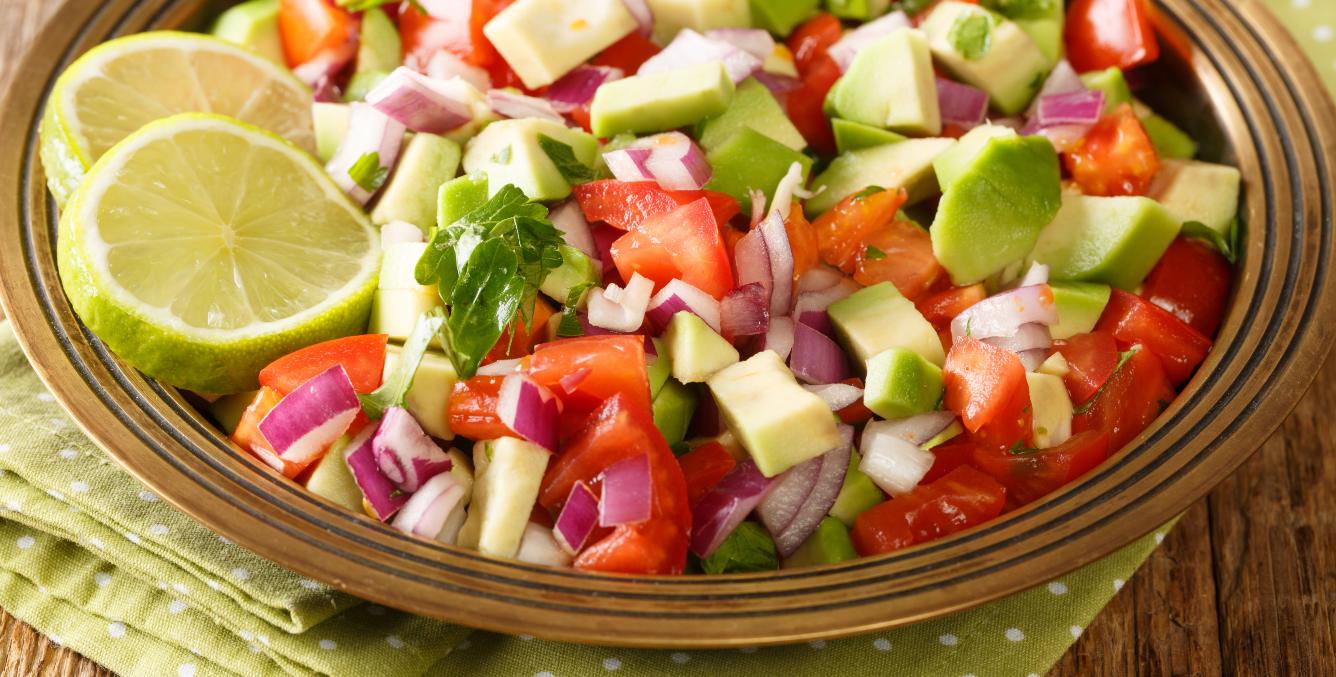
(1246, 583)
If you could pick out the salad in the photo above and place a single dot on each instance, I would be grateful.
(651, 286)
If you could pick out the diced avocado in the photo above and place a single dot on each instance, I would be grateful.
(1114, 240)
(362, 83)
(851, 135)
(782, 16)
(748, 549)
(662, 101)
(1198, 191)
(1079, 305)
(253, 24)
(858, 494)
(576, 269)
(750, 161)
(1112, 83)
(955, 160)
(410, 196)
(331, 125)
(460, 196)
(398, 263)
(952, 431)
(509, 153)
(333, 481)
(995, 209)
(1055, 365)
(673, 407)
(430, 392)
(753, 106)
(394, 312)
(380, 48)
(671, 16)
(1170, 141)
(780, 62)
(660, 369)
(695, 350)
(462, 468)
(507, 474)
(829, 544)
(543, 40)
(779, 422)
(228, 410)
(983, 49)
(891, 84)
(858, 10)
(900, 384)
(1042, 21)
(877, 318)
(1052, 410)
(906, 164)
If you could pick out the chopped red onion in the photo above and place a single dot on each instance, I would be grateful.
(571, 381)
(627, 492)
(399, 232)
(961, 104)
(1063, 137)
(1002, 315)
(1071, 108)
(816, 359)
(431, 509)
(321, 72)
(690, 48)
(621, 310)
(919, 429)
(818, 320)
(819, 301)
(804, 494)
(1061, 80)
(628, 164)
(789, 187)
(518, 106)
(754, 41)
(819, 278)
(675, 161)
(894, 464)
(758, 200)
(643, 14)
(837, 395)
(576, 88)
(1033, 359)
(848, 47)
(306, 421)
(404, 453)
(384, 498)
(781, 263)
(776, 83)
(1036, 275)
(501, 367)
(529, 409)
(1033, 336)
(677, 296)
(414, 101)
(369, 131)
(444, 66)
(1015, 123)
(780, 337)
(570, 220)
(539, 545)
(751, 257)
(577, 519)
(719, 512)
(744, 312)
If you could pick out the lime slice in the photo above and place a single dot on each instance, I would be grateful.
(118, 87)
(200, 249)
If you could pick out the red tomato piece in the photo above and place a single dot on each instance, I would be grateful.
(684, 243)
(901, 253)
(313, 28)
(471, 409)
(1132, 319)
(942, 307)
(1091, 359)
(363, 357)
(962, 499)
(703, 467)
(1031, 475)
(948, 457)
(857, 412)
(986, 386)
(802, 240)
(524, 340)
(805, 104)
(484, 54)
(1134, 396)
(1116, 157)
(1192, 281)
(843, 232)
(615, 365)
(812, 40)
(628, 54)
(1103, 34)
(627, 204)
(444, 28)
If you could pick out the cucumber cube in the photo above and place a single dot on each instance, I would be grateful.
(751, 160)
(900, 384)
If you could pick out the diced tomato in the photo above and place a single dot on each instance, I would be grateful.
(805, 104)
(444, 29)
(802, 240)
(1091, 359)
(1132, 319)
(471, 409)
(1116, 157)
(581, 116)
(900, 253)
(1192, 281)
(703, 467)
(524, 340)
(842, 232)
(618, 430)
(812, 40)
(942, 307)
(1103, 34)
(682, 244)
(483, 11)
(315, 28)
(949, 456)
(857, 412)
(1134, 396)
(1032, 474)
(628, 54)
(963, 498)
(615, 366)
(363, 357)
(986, 386)
(627, 204)
(952, 130)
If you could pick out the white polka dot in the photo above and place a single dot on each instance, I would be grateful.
(1301, 4)
(4, 448)
(240, 574)
(747, 649)
(181, 588)
(247, 635)
(55, 494)
(224, 540)
(544, 673)
(59, 423)
(1075, 630)
(1159, 538)
(25, 542)
(1015, 634)
(1322, 33)
(1118, 583)
(101, 578)
(68, 454)
(264, 639)
(133, 538)
(968, 674)
(186, 670)
(13, 506)
(176, 606)
(817, 644)
(680, 658)
(215, 585)
(1057, 588)
(55, 639)
(97, 543)
(328, 644)
(881, 644)
(525, 638)
(1032, 675)
(148, 496)
(949, 640)
(309, 584)
(116, 629)
(46, 397)
(158, 529)
(394, 642)
(611, 664)
(464, 645)
(254, 648)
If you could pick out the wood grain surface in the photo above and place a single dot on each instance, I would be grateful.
(1245, 585)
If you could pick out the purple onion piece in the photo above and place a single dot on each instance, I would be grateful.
(744, 312)
(720, 512)
(627, 492)
(381, 494)
(677, 296)
(369, 131)
(1003, 314)
(961, 104)
(780, 337)
(576, 88)
(781, 263)
(519, 106)
(690, 48)
(826, 484)
(837, 395)
(577, 519)
(628, 164)
(675, 161)
(1070, 108)
(309, 419)
(404, 453)
(848, 47)
(816, 359)
(430, 508)
(412, 100)
(529, 409)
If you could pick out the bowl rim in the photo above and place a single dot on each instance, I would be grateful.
(1245, 59)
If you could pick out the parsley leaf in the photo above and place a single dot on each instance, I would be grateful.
(563, 156)
(874, 254)
(748, 548)
(391, 393)
(484, 301)
(972, 35)
(368, 173)
(570, 319)
(508, 203)
(1022, 9)
(1122, 360)
(1227, 245)
(868, 192)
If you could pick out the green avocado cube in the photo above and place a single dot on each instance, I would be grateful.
(995, 208)
(1043, 22)
(576, 269)
(695, 350)
(380, 48)
(1079, 305)
(776, 420)
(829, 544)
(331, 126)
(1112, 83)
(429, 395)
(1170, 141)
(891, 85)
(228, 410)
(900, 384)
(508, 472)
(662, 101)
(459, 196)
(253, 24)
(671, 16)
(673, 407)
(510, 152)
(877, 318)
(858, 10)
(782, 16)
(906, 164)
(1114, 240)
(333, 481)
(410, 196)
(858, 494)
(361, 84)
(754, 107)
(1051, 409)
(1199, 191)
(751, 160)
(850, 135)
(951, 164)
(983, 49)
(660, 369)
(952, 431)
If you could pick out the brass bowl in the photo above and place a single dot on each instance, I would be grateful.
(1231, 76)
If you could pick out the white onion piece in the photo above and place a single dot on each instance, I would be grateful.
(577, 519)
(675, 161)
(429, 510)
(690, 48)
(893, 464)
(751, 257)
(824, 476)
(1002, 315)
(369, 131)
(848, 47)
(570, 220)
(577, 88)
(627, 492)
(309, 419)
(744, 312)
(399, 232)
(789, 187)
(819, 301)
(755, 41)
(837, 395)
(444, 66)
(384, 498)
(781, 263)
(758, 200)
(1036, 275)
(1063, 137)
(1033, 336)
(501, 367)
(518, 106)
(405, 453)
(628, 164)
(719, 512)
(820, 278)
(780, 337)
(621, 310)
(321, 72)
(677, 296)
(413, 100)
(529, 409)
(538, 545)
(643, 14)
(919, 429)
(1033, 359)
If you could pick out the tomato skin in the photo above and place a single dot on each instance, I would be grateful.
(628, 54)
(963, 498)
(1133, 397)
(905, 260)
(524, 340)
(857, 412)
(804, 104)
(1103, 34)
(986, 386)
(1192, 281)
(1131, 319)
(627, 204)
(703, 467)
(949, 456)
(444, 29)
(471, 409)
(363, 357)
(802, 241)
(1116, 157)
(684, 243)
(313, 28)
(842, 232)
(813, 39)
(1032, 475)
(1091, 359)
(616, 366)
(942, 307)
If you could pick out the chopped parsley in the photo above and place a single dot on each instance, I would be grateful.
(874, 254)
(570, 319)
(392, 392)
(972, 35)
(1122, 360)
(748, 548)
(563, 156)
(1226, 244)
(868, 192)
(368, 173)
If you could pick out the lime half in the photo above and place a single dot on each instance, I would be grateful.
(200, 249)
(118, 87)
